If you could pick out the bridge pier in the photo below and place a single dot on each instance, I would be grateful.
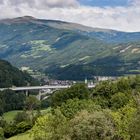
(43, 94)
(39, 95)
(27, 93)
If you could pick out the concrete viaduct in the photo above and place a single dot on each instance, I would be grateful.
(47, 88)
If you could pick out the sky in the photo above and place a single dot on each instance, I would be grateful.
(123, 15)
(102, 3)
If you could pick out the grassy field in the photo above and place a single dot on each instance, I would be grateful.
(9, 116)
(24, 136)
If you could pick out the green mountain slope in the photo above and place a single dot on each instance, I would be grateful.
(68, 50)
(11, 76)
(38, 45)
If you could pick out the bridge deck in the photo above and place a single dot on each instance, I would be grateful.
(40, 88)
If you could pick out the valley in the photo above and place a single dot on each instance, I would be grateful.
(69, 69)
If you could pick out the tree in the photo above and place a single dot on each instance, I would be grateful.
(73, 106)
(105, 89)
(123, 85)
(12, 100)
(135, 126)
(32, 103)
(123, 118)
(119, 100)
(50, 127)
(1, 107)
(79, 91)
(92, 126)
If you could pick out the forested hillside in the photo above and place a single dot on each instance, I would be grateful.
(12, 76)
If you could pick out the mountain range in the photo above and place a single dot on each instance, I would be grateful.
(66, 50)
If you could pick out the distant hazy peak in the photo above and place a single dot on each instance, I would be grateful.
(26, 18)
(55, 24)
(18, 20)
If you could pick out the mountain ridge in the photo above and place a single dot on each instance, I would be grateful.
(33, 19)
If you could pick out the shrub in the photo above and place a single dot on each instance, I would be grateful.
(22, 127)
(14, 129)
(2, 122)
(21, 116)
(10, 130)
(1, 134)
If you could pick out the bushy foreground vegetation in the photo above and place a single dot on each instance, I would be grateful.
(110, 111)
(22, 121)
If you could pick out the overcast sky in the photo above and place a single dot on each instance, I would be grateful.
(114, 14)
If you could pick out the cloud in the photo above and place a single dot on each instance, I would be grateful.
(2, 2)
(43, 3)
(135, 2)
(119, 18)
